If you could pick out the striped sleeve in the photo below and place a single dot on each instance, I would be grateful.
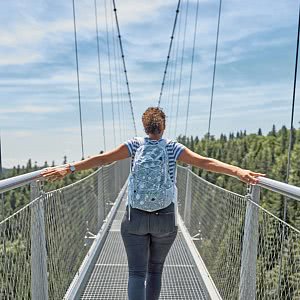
(177, 149)
(132, 145)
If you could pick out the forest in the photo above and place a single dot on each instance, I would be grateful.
(266, 154)
(257, 152)
(17, 198)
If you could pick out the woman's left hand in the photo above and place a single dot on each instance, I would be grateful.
(248, 176)
(55, 173)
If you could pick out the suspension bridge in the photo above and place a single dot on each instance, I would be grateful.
(66, 243)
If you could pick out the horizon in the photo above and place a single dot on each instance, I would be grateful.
(39, 106)
(39, 165)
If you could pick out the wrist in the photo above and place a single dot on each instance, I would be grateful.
(236, 171)
(71, 169)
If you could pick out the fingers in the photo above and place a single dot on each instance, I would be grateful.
(255, 174)
(250, 180)
(53, 174)
(251, 177)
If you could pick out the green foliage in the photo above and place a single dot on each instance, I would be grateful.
(266, 154)
(18, 198)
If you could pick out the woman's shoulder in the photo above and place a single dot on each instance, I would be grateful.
(173, 143)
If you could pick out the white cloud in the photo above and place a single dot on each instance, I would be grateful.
(37, 55)
(35, 109)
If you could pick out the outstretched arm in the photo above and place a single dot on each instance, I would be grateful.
(189, 157)
(118, 153)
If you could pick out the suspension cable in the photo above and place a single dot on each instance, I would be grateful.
(192, 68)
(121, 93)
(78, 83)
(214, 72)
(124, 66)
(175, 74)
(116, 73)
(293, 102)
(99, 71)
(109, 70)
(168, 86)
(181, 67)
(289, 152)
(169, 52)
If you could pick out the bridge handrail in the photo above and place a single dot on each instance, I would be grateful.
(282, 188)
(18, 181)
(24, 179)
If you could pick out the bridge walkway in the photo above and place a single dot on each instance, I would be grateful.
(108, 280)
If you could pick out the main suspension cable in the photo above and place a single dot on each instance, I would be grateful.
(169, 52)
(78, 81)
(214, 72)
(121, 92)
(109, 70)
(116, 72)
(289, 152)
(99, 71)
(181, 67)
(124, 66)
(168, 85)
(192, 68)
(175, 74)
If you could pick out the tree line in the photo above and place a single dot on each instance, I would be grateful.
(257, 152)
(17, 198)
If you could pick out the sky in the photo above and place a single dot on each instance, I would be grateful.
(39, 115)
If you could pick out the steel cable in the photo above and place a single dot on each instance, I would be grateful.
(99, 71)
(78, 81)
(169, 53)
(192, 67)
(124, 66)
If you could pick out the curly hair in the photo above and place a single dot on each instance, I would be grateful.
(154, 120)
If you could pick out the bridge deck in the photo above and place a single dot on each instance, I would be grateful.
(108, 279)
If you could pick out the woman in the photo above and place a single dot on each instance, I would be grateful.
(149, 234)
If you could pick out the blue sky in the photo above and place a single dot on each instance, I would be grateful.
(38, 90)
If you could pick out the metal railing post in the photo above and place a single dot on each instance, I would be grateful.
(39, 277)
(188, 198)
(247, 289)
(101, 200)
(119, 170)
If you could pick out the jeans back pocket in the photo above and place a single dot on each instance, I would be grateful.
(138, 223)
(162, 223)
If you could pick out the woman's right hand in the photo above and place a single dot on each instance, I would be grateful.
(248, 176)
(55, 173)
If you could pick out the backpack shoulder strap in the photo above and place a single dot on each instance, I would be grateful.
(164, 142)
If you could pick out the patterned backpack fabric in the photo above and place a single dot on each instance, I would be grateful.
(150, 187)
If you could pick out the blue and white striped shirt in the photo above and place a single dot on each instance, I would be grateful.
(174, 149)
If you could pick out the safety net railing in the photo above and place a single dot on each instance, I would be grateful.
(43, 244)
(249, 252)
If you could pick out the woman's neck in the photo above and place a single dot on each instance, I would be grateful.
(154, 136)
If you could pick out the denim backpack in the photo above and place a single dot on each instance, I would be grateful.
(150, 187)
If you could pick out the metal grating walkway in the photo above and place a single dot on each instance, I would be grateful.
(109, 276)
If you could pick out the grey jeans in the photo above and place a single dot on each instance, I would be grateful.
(148, 238)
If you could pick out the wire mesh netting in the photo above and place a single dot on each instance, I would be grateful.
(181, 185)
(216, 223)
(63, 217)
(216, 220)
(15, 256)
(276, 238)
